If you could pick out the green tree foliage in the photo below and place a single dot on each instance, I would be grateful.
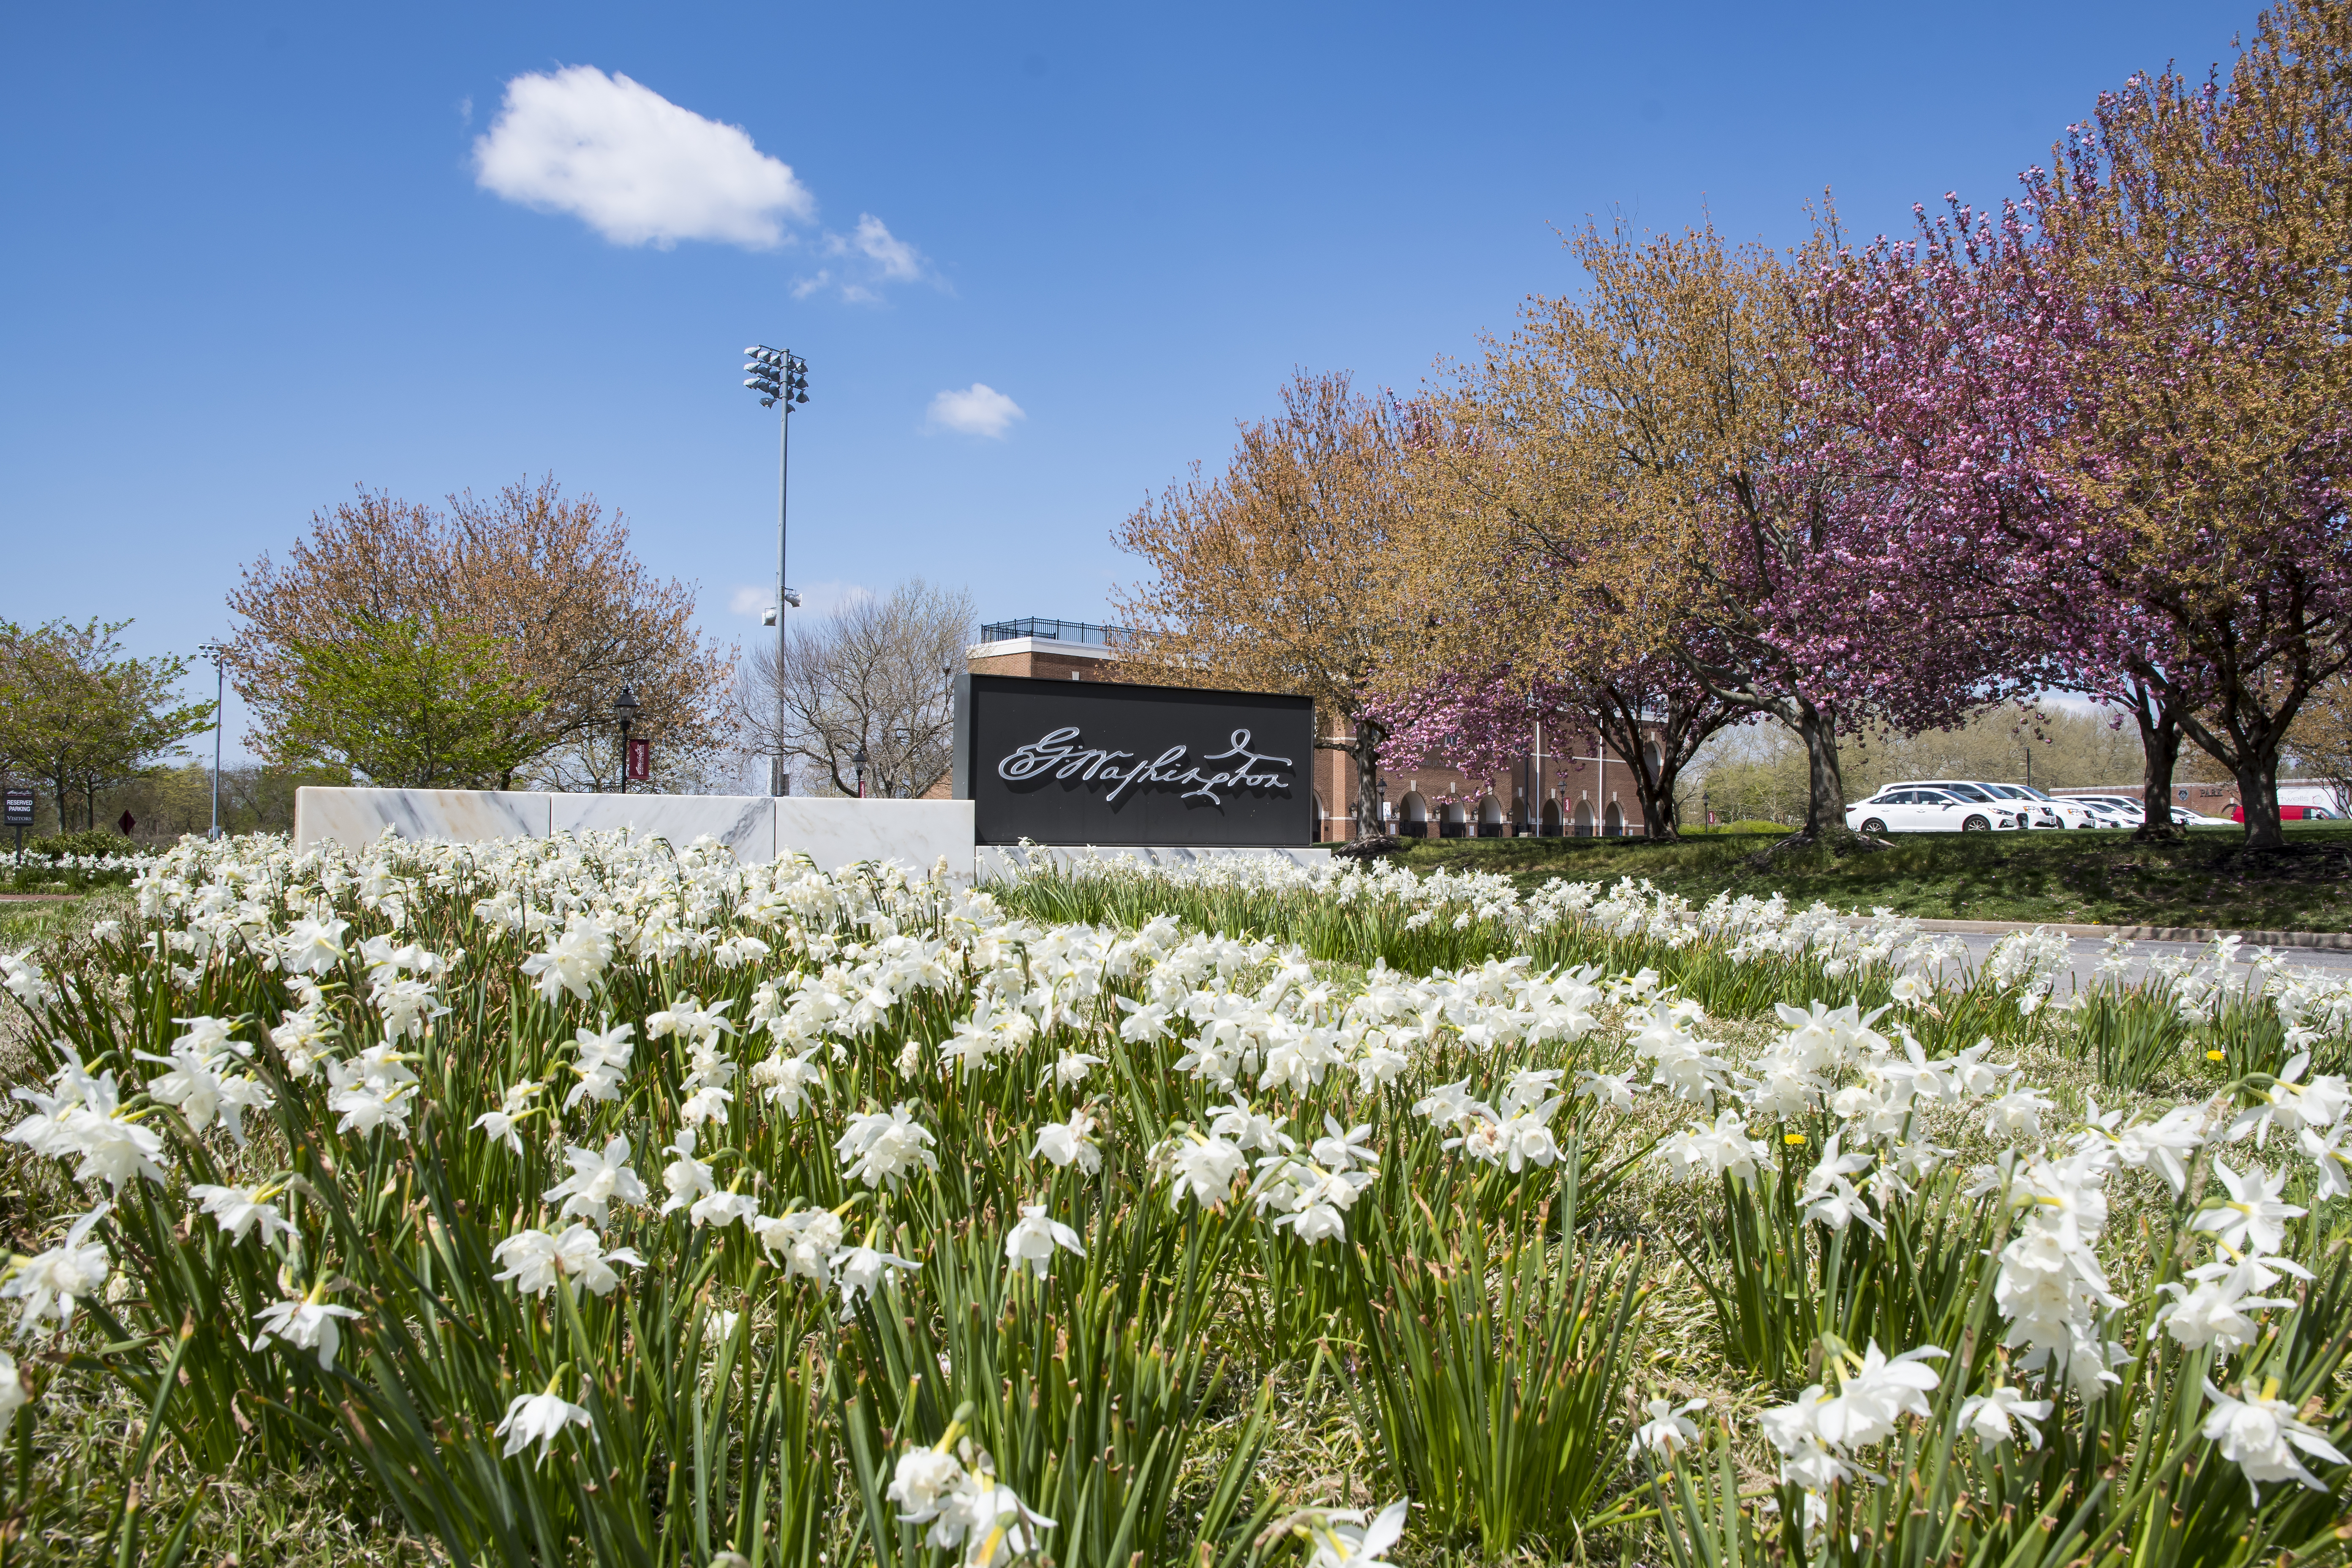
(408, 702)
(80, 717)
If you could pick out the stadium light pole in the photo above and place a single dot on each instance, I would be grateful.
(218, 654)
(781, 378)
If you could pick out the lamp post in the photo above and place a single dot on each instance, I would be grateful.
(624, 709)
(218, 654)
(858, 762)
(781, 378)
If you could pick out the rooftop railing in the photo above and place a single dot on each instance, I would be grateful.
(1055, 631)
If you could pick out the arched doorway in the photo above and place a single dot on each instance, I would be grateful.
(1551, 818)
(1415, 815)
(1584, 819)
(1612, 826)
(1653, 759)
(1453, 825)
(1490, 818)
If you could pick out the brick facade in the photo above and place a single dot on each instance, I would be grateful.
(1583, 791)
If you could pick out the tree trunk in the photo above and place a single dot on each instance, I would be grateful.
(2160, 744)
(2250, 750)
(1824, 780)
(2258, 801)
(1658, 807)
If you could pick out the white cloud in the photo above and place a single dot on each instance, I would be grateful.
(979, 410)
(868, 259)
(751, 601)
(634, 166)
(893, 258)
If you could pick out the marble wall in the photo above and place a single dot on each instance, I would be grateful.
(990, 860)
(831, 833)
(838, 833)
(744, 823)
(359, 816)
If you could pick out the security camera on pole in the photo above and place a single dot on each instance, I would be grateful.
(781, 378)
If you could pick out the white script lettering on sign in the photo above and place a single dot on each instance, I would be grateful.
(1059, 752)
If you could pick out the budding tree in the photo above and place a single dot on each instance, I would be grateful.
(1637, 475)
(549, 579)
(1271, 577)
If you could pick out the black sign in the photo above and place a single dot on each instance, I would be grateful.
(19, 804)
(1082, 761)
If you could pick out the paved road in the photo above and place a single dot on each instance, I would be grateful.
(2335, 963)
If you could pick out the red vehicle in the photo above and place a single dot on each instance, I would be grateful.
(2290, 814)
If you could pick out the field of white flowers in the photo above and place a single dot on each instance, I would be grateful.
(557, 1201)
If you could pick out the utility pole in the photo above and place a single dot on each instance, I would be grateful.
(781, 378)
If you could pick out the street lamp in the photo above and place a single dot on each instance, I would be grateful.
(218, 654)
(858, 762)
(624, 709)
(781, 378)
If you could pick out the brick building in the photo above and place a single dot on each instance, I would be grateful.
(1574, 785)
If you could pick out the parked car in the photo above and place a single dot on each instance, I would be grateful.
(2290, 814)
(1911, 809)
(2025, 809)
(2004, 812)
(2125, 809)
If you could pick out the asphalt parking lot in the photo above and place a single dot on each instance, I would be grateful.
(2335, 963)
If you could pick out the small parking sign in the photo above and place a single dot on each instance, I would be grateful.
(19, 808)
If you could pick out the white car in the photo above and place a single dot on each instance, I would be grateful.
(1907, 808)
(2125, 809)
(2071, 810)
(2002, 811)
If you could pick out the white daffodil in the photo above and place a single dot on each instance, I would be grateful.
(1668, 1431)
(787, 1080)
(2260, 1433)
(313, 946)
(535, 1261)
(539, 1418)
(238, 1210)
(498, 1126)
(878, 1147)
(1067, 1144)
(686, 1177)
(602, 1060)
(306, 1322)
(573, 963)
(53, 1282)
(860, 1271)
(598, 1180)
(2251, 1219)
(720, 1210)
(1989, 1416)
(1342, 1538)
(1031, 1241)
(807, 1240)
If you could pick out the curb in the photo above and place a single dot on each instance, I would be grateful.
(2332, 940)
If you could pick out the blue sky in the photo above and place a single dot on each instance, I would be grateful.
(257, 254)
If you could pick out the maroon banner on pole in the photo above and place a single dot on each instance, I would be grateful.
(641, 759)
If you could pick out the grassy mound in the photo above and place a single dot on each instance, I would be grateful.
(2082, 878)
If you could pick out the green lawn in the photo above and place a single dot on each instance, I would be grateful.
(27, 923)
(2080, 877)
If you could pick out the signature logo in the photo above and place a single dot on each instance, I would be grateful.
(1060, 754)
